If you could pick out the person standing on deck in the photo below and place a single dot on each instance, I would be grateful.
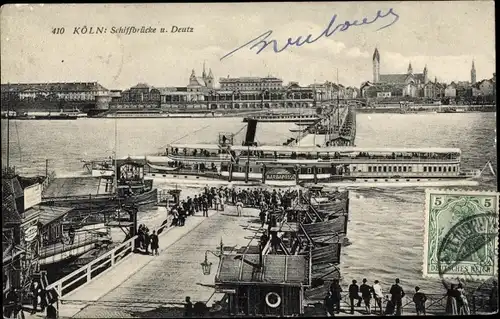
(147, 240)
(175, 219)
(366, 294)
(239, 208)
(154, 243)
(71, 235)
(262, 216)
(51, 312)
(419, 299)
(378, 295)
(328, 304)
(190, 206)
(216, 200)
(336, 291)
(222, 201)
(462, 302)
(494, 297)
(397, 294)
(354, 295)
(205, 206)
(233, 196)
(188, 308)
(196, 202)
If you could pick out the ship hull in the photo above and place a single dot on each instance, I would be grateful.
(239, 179)
(145, 199)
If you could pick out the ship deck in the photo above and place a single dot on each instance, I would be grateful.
(62, 187)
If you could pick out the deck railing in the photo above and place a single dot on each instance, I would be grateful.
(243, 158)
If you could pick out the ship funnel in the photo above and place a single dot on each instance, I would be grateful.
(251, 129)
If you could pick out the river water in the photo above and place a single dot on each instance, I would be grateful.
(386, 225)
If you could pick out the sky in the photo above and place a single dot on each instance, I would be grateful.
(445, 36)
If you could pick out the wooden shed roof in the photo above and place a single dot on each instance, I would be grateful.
(49, 214)
(277, 270)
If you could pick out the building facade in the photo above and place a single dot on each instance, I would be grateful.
(70, 91)
(412, 84)
(251, 83)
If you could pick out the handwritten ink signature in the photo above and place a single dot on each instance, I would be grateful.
(263, 42)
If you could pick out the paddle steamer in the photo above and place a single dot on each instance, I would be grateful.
(286, 165)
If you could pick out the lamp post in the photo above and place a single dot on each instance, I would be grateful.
(206, 266)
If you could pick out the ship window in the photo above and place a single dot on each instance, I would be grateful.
(404, 168)
(409, 168)
(454, 168)
(449, 168)
(439, 169)
(385, 169)
(425, 169)
(399, 168)
(395, 169)
(369, 169)
(389, 169)
(434, 169)
(308, 171)
(320, 170)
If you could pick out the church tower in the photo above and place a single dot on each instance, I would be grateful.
(473, 73)
(425, 75)
(410, 69)
(210, 80)
(376, 66)
(204, 74)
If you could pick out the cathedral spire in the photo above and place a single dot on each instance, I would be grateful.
(210, 74)
(473, 73)
(410, 69)
(376, 55)
(193, 75)
(204, 74)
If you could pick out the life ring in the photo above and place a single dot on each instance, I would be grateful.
(275, 304)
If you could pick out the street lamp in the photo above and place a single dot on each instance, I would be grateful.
(207, 266)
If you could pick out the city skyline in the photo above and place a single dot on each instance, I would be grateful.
(445, 44)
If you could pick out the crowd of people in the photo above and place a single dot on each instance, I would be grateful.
(373, 295)
(147, 240)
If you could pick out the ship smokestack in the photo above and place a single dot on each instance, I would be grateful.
(251, 129)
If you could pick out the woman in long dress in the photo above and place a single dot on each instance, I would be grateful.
(464, 309)
(451, 301)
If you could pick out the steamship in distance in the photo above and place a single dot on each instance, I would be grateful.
(287, 165)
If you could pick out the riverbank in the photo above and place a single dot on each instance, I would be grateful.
(429, 109)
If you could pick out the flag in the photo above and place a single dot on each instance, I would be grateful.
(491, 169)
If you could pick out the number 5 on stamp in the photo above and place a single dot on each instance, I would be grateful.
(461, 234)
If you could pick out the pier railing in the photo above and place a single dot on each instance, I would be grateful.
(435, 304)
(85, 274)
(90, 271)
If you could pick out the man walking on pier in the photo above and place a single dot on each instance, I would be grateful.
(354, 295)
(397, 295)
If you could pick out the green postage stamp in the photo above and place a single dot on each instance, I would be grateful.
(461, 234)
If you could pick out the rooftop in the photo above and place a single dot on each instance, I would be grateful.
(276, 269)
(56, 86)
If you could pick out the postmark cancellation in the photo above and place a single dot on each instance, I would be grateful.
(461, 234)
